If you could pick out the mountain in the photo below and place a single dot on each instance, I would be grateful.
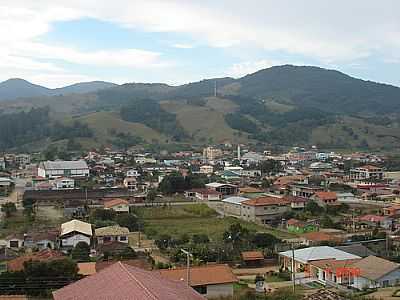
(19, 88)
(16, 88)
(83, 88)
(280, 106)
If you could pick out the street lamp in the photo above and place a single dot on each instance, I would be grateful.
(188, 256)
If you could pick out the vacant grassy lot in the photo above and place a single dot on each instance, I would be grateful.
(192, 219)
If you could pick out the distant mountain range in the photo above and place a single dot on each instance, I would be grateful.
(279, 106)
(19, 88)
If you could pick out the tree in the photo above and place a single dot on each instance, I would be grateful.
(270, 166)
(8, 209)
(236, 234)
(265, 240)
(81, 252)
(127, 220)
(151, 196)
(201, 238)
(314, 208)
(172, 183)
(102, 214)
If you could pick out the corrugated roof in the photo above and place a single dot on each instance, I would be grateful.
(204, 275)
(373, 267)
(122, 282)
(76, 225)
(65, 164)
(235, 200)
(111, 230)
(317, 253)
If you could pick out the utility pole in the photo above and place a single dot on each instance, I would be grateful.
(215, 88)
(188, 256)
(293, 270)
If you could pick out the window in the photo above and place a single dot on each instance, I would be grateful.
(106, 239)
(201, 289)
(122, 238)
(14, 244)
(385, 283)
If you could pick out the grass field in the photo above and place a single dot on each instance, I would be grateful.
(193, 219)
(204, 122)
(102, 122)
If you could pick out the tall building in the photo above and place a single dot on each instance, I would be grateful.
(211, 153)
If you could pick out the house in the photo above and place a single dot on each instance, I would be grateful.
(112, 233)
(211, 153)
(90, 268)
(223, 188)
(117, 205)
(2, 163)
(232, 206)
(230, 175)
(297, 226)
(366, 173)
(17, 264)
(368, 272)
(73, 232)
(296, 203)
(15, 241)
(356, 249)
(22, 160)
(203, 194)
(304, 257)
(121, 281)
(325, 198)
(6, 254)
(212, 281)
(304, 191)
(41, 240)
(264, 210)
(54, 169)
(206, 169)
(130, 183)
(6, 185)
(346, 197)
(252, 258)
(376, 272)
(391, 211)
(318, 238)
(376, 221)
(64, 183)
(132, 173)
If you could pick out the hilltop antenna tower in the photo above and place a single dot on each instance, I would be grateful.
(215, 88)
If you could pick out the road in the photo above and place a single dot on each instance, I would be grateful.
(16, 195)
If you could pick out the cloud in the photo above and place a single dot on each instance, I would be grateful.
(331, 32)
(247, 67)
(183, 46)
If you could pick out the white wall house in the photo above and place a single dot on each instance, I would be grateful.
(64, 183)
(55, 169)
(75, 231)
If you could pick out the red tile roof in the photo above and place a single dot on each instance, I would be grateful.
(264, 201)
(252, 255)
(204, 275)
(17, 264)
(326, 195)
(122, 282)
(113, 202)
(319, 237)
(372, 218)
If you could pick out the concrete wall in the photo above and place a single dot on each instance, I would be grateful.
(231, 209)
(218, 290)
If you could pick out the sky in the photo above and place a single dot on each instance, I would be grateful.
(59, 42)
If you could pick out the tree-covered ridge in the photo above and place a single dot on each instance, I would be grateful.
(150, 113)
(17, 129)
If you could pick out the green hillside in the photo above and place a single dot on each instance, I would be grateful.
(282, 106)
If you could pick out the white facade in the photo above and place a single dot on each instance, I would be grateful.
(72, 240)
(206, 169)
(132, 173)
(219, 290)
(64, 183)
(55, 169)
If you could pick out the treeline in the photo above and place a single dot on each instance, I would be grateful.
(150, 113)
(17, 129)
(240, 122)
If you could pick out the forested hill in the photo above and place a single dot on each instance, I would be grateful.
(284, 106)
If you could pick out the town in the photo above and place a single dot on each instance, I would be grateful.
(225, 220)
